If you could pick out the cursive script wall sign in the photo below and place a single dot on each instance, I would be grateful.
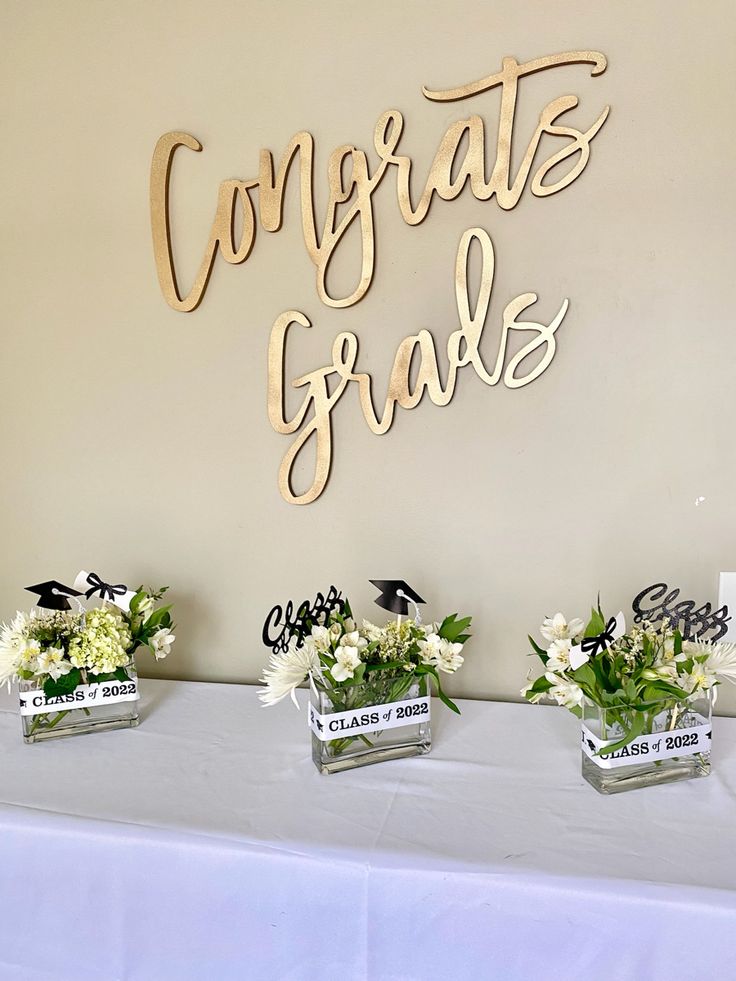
(459, 160)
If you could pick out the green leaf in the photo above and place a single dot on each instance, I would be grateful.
(596, 624)
(440, 694)
(540, 686)
(64, 685)
(538, 650)
(451, 628)
(636, 730)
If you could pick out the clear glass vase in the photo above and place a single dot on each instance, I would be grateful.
(383, 719)
(672, 742)
(89, 708)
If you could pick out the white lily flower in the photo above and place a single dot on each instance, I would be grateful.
(558, 628)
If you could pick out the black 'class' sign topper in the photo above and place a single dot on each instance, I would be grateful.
(298, 625)
(655, 603)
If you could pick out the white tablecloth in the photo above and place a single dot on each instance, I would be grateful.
(205, 846)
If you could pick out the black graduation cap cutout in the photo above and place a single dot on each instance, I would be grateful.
(395, 595)
(52, 595)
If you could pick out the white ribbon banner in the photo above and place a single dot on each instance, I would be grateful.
(34, 702)
(646, 749)
(371, 718)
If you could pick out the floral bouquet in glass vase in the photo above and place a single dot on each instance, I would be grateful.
(644, 696)
(75, 668)
(370, 684)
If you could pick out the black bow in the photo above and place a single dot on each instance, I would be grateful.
(105, 590)
(594, 645)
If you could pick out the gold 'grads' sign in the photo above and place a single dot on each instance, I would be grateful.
(460, 159)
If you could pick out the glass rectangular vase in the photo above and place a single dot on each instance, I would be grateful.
(673, 743)
(369, 701)
(62, 721)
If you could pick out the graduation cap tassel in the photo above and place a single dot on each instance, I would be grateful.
(417, 611)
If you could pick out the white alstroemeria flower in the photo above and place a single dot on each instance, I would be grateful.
(535, 697)
(287, 670)
(558, 628)
(353, 639)
(663, 671)
(564, 692)
(559, 655)
(52, 662)
(449, 658)
(430, 648)
(321, 638)
(335, 631)
(371, 631)
(160, 643)
(347, 660)
(349, 625)
(700, 678)
(29, 655)
(145, 607)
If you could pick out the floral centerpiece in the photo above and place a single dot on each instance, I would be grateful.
(644, 696)
(370, 684)
(76, 668)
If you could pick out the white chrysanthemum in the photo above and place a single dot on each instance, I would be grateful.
(720, 658)
(558, 628)
(13, 641)
(287, 670)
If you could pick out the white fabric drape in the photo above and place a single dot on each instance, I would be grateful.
(205, 845)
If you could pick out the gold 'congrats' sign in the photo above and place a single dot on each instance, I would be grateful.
(352, 180)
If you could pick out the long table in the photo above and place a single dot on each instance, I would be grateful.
(205, 846)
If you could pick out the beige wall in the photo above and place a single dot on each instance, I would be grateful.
(136, 440)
